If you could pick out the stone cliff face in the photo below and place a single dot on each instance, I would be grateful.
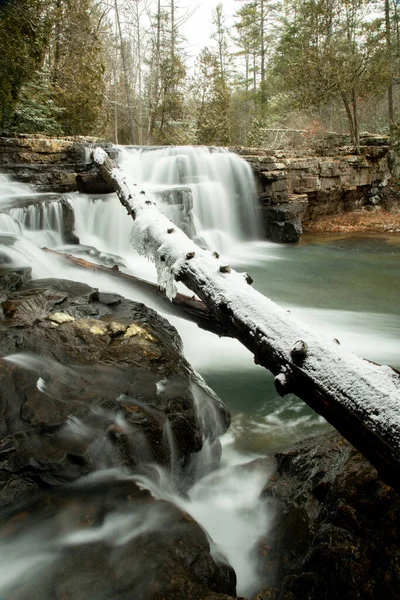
(294, 188)
(50, 163)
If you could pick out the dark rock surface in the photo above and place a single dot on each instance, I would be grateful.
(282, 222)
(109, 540)
(284, 231)
(95, 390)
(96, 380)
(337, 526)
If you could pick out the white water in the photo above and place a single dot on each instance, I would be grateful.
(225, 503)
(220, 184)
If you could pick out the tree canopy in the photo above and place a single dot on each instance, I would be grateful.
(121, 68)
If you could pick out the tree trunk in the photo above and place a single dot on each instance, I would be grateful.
(355, 121)
(360, 399)
(262, 51)
(115, 96)
(389, 61)
(57, 40)
(126, 78)
(155, 86)
(173, 36)
(349, 119)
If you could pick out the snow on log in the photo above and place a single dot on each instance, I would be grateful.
(360, 399)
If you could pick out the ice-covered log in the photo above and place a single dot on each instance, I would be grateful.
(360, 399)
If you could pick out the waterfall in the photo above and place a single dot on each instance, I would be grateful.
(35, 216)
(209, 192)
(210, 195)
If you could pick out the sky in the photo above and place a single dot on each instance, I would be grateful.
(198, 27)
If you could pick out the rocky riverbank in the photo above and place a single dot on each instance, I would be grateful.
(324, 188)
(93, 390)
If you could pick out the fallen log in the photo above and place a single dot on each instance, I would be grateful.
(360, 399)
(193, 308)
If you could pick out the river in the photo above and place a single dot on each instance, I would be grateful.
(345, 286)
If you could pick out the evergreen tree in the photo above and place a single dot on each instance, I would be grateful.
(77, 62)
(166, 80)
(36, 111)
(329, 49)
(212, 97)
(24, 28)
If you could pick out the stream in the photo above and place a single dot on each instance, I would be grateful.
(345, 286)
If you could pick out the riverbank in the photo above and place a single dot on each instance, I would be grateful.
(377, 220)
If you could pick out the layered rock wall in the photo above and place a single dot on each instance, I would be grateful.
(294, 188)
(52, 164)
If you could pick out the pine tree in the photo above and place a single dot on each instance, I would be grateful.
(24, 29)
(77, 63)
(36, 111)
(212, 97)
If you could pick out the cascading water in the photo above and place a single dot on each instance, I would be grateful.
(211, 193)
(36, 217)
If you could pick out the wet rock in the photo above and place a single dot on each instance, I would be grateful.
(337, 526)
(282, 221)
(94, 381)
(68, 222)
(284, 231)
(108, 539)
(11, 279)
(95, 393)
(285, 212)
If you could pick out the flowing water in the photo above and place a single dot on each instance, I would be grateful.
(347, 287)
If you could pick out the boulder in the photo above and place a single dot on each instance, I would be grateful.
(94, 381)
(337, 526)
(95, 394)
(284, 231)
(284, 212)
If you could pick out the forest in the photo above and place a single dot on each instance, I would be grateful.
(121, 69)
